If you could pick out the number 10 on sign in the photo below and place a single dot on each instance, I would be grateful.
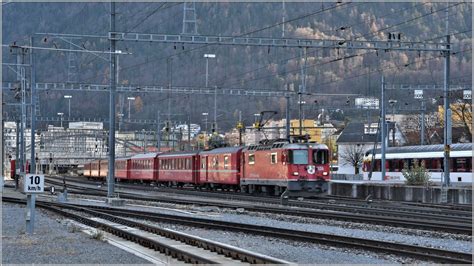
(34, 183)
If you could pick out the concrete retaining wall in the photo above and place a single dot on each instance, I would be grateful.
(399, 192)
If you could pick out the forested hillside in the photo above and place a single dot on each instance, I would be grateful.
(327, 71)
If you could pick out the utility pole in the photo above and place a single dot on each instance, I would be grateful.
(30, 198)
(422, 141)
(158, 132)
(17, 153)
(447, 117)
(215, 108)
(189, 131)
(384, 128)
(113, 84)
(287, 114)
(240, 128)
(283, 19)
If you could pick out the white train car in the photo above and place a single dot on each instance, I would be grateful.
(433, 155)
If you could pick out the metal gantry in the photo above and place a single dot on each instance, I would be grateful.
(59, 86)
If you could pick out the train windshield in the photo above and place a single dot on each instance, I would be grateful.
(299, 156)
(320, 157)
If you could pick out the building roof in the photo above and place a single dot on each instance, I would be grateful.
(354, 133)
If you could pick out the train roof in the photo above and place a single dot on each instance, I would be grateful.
(425, 151)
(286, 145)
(222, 150)
(426, 148)
(178, 153)
(145, 155)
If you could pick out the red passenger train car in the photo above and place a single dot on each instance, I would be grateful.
(122, 166)
(178, 168)
(87, 169)
(272, 168)
(220, 168)
(143, 167)
(103, 168)
(95, 168)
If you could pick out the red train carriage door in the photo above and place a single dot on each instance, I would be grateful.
(203, 166)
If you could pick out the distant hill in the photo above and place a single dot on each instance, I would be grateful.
(246, 67)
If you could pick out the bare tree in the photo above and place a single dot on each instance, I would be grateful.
(462, 114)
(411, 126)
(353, 155)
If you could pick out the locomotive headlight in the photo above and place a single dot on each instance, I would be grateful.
(296, 173)
(325, 173)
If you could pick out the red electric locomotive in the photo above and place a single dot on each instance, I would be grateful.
(280, 166)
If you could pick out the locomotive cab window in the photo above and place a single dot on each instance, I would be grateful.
(298, 156)
(251, 158)
(273, 157)
(320, 156)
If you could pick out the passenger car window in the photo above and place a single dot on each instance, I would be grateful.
(251, 158)
(226, 162)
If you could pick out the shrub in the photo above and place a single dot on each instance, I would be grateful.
(98, 235)
(417, 174)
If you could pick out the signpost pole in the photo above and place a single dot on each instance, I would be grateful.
(32, 184)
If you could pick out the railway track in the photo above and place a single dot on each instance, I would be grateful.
(184, 254)
(117, 215)
(330, 203)
(432, 223)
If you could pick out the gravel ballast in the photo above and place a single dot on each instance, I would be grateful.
(53, 242)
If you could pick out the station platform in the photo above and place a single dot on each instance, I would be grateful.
(396, 190)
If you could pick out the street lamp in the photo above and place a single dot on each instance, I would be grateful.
(207, 56)
(61, 115)
(68, 97)
(130, 99)
(205, 120)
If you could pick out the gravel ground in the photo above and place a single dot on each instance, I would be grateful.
(52, 242)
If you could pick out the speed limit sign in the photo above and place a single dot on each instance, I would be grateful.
(33, 183)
